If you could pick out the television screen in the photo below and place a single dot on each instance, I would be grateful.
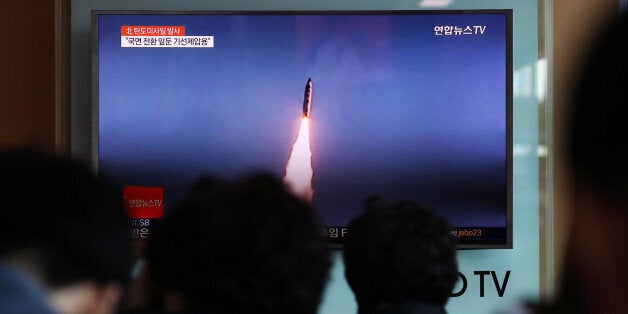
(405, 105)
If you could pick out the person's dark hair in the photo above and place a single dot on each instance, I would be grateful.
(597, 152)
(399, 252)
(597, 145)
(245, 244)
(58, 213)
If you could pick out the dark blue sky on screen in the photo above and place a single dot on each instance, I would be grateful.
(397, 111)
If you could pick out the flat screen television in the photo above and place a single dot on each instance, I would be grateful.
(399, 104)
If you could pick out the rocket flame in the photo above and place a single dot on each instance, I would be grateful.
(299, 168)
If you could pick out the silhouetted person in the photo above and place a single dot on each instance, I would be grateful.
(400, 258)
(595, 273)
(239, 246)
(64, 237)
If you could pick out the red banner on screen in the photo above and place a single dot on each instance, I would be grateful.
(144, 201)
(155, 30)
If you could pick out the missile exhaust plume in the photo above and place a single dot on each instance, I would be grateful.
(299, 170)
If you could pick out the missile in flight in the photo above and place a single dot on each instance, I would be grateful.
(307, 98)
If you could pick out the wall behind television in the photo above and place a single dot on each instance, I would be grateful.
(27, 110)
(495, 279)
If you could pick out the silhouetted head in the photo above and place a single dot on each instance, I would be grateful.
(61, 212)
(66, 228)
(241, 245)
(592, 278)
(598, 146)
(399, 252)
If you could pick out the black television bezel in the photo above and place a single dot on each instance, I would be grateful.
(509, 84)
